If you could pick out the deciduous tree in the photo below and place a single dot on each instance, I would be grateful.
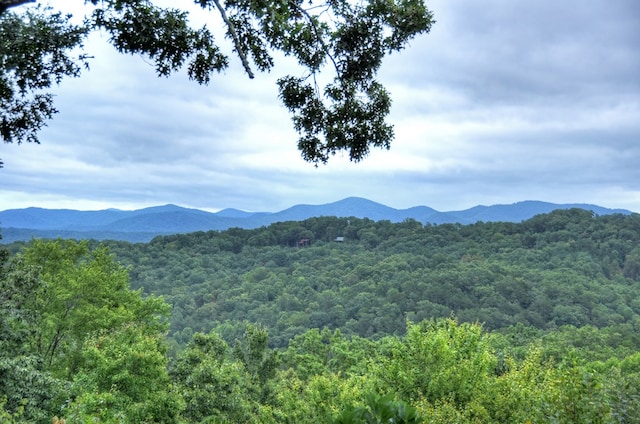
(122, 377)
(81, 292)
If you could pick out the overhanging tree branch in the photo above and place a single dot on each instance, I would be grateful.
(348, 114)
(236, 39)
(325, 48)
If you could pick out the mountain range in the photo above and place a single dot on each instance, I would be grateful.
(143, 224)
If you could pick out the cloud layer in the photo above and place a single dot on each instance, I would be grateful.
(503, 101)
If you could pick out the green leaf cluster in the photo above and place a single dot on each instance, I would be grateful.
(35, 53)
(74, 333)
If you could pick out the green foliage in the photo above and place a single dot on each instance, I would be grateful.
(35, 52)
(122, 377)
(216, 387)
(28, 391)
(437, 360)
(254, 354)
(82, 292)
(574, 396)
(68, 315)
(18, 312)
(318, 352)
(378, 410)
(355, 40)
(162, 34)
(631, 268)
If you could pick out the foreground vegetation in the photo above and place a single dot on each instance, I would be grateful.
(383, 325)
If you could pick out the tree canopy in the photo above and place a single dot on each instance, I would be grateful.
(567, 268)
(76, 341)
(39, 47)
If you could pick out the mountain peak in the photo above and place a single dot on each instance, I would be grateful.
(169, 207)
(233, 213)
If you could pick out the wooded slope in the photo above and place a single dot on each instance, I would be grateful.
(568, 267)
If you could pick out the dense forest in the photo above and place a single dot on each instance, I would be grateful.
(565, 268)
(330, 320)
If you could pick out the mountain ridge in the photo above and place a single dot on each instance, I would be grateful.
(144, 224)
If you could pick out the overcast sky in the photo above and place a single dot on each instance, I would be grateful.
(503, 101)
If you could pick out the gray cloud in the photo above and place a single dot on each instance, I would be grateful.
(505, 52)
(503, 101)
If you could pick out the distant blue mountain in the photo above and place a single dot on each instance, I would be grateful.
(234, 213)
(143, 224)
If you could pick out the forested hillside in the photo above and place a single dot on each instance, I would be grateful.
(564, 268)
(329, 320)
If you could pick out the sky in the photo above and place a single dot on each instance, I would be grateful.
(503, 101)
